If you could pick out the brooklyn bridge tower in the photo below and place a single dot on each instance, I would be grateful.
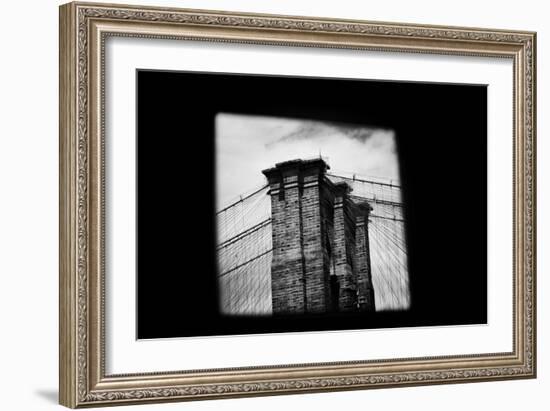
(320, 239)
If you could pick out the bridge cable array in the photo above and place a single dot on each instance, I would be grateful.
(245, 248)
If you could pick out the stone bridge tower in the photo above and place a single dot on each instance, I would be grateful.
(321, 258)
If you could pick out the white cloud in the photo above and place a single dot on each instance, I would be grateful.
(246, 145)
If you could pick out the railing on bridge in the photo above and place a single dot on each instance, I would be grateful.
(245, 248)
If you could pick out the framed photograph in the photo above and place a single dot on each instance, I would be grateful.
(259, 204)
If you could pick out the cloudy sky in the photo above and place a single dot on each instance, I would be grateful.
(246, 145)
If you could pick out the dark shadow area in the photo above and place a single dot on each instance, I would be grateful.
(51, 396)
(441, 135)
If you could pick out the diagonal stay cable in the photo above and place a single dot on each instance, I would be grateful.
(242, 199)
(245, 263)
(244, 234)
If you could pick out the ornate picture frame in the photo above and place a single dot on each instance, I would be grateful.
(84, 29)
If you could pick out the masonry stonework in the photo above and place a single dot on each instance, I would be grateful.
(321, 259)
(365, 296)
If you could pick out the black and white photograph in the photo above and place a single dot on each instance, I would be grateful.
(309, 238)
(270, 204)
